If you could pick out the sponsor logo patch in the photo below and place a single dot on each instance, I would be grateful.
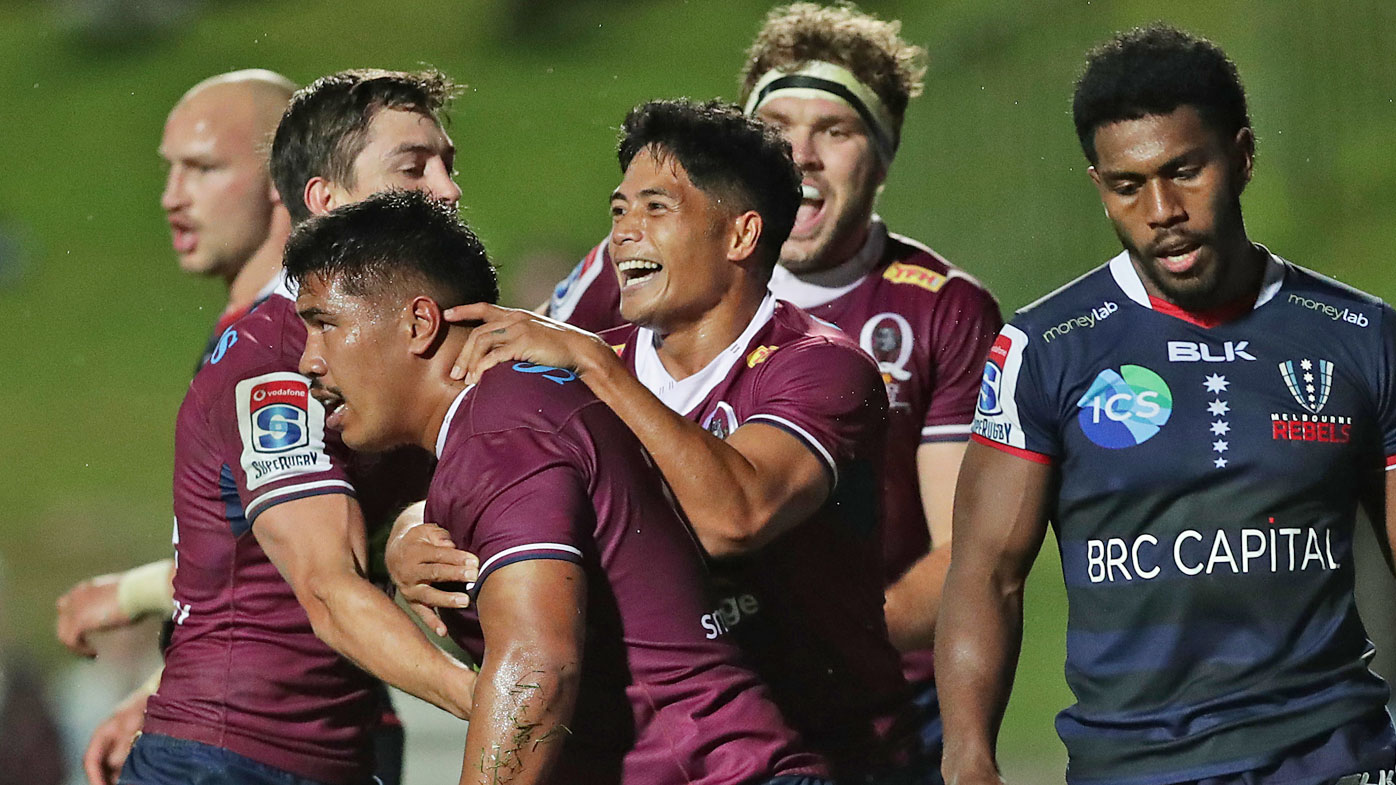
(927, 279)
(759, 355)
(989, 386)
(1196, 352)
(225, 342)
(1332, 312)
(279, 411)
(1125, 408)
(1085, 321)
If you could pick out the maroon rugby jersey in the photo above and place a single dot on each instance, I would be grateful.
(244, 670)
(532, 466)
(929, 326)
(807, 608)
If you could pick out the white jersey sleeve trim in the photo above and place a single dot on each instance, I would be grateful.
(272, 498)
(946, 430)
(805, 436)
(555, 547)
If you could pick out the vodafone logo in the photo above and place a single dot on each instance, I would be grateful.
(281, 392)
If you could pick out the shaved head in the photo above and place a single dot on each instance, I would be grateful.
(221, 205)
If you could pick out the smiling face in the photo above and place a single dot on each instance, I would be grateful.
(669, 243)
(404, 151)
(840, 175)
(218, 196)
(1172, 188)
(356, 357)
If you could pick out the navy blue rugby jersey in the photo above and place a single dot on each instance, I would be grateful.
(1209, 478)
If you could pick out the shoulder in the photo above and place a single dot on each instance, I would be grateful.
(1094, 289)
(1311, 291)
(796, 337)
(524, 395)
(912, 267)
(266, 341)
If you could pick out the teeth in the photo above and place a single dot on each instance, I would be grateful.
(810, 192)
(638, 266)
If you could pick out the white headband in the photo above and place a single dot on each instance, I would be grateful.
(818, 79)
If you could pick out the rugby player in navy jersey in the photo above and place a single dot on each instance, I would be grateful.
(768, 424)
(1199, 420)
(249, 693)
(592, 619)
(836, 82)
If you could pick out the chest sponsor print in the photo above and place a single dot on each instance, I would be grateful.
(1125, 408)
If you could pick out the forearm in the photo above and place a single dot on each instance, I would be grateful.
(362, 623)
(913, 601)
(693, 462)
(977, 645)
(524, 701)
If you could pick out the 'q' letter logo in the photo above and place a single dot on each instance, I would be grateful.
(1125, 408)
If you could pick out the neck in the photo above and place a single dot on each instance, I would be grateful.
(261, 268)
(688, 348)
(437, 390)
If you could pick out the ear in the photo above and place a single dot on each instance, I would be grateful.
(320, 196)
(1095, 177)
(744, 232)
(425, 325)
(1244, 148)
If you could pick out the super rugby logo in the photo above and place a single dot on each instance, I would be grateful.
(1125, 408)
(990, 385)
(279, 413)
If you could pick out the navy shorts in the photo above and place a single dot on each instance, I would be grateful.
(1360, 753)
(156, 759)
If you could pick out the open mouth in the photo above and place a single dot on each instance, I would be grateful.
(182, 237)
(334, 407)
(811, 209)
(637, 272)
(1178, 259)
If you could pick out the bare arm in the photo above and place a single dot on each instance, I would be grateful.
(318, 544)
(770, 481)
(913, 601)
(1000, 522)
(110, 601)
(533, 616)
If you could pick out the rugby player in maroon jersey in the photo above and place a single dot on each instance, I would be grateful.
(837, 82)
(249, 694)
(591, 619)
(767, 423)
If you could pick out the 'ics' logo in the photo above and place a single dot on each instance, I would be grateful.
(1125, 408)
(280, 411)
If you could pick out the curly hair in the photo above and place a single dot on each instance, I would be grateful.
(726, 154)
(1153, 71)
(325, 127)
(871, 48)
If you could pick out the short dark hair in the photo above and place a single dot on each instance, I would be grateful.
(1153, 71)
(392, 238)
(324, 127)
(727, 155)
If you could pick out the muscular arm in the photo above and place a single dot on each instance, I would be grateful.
(1381, 509)
(110, 601)
(533, 616)
(769, 480)
(318, 544)
(913, 601)
(1000, 521)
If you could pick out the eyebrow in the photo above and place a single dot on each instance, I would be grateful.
(306, 314)
(1181, 159)
(616, 194)
(418, 147)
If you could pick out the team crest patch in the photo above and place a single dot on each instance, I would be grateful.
(1125, 408)
(927, 279)
(1310, 386)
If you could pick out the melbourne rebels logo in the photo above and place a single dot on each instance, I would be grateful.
(279, 412)
(1125, 408)
(1308, 384)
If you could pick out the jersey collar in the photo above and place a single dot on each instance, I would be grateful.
(446, 423)
(684, 395)
(1127, 278)
(812, 290)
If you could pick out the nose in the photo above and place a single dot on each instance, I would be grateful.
(626, 227)
(312, 362)
(440, 185)
(803, 150)
(1163, 206)
(173, 197)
